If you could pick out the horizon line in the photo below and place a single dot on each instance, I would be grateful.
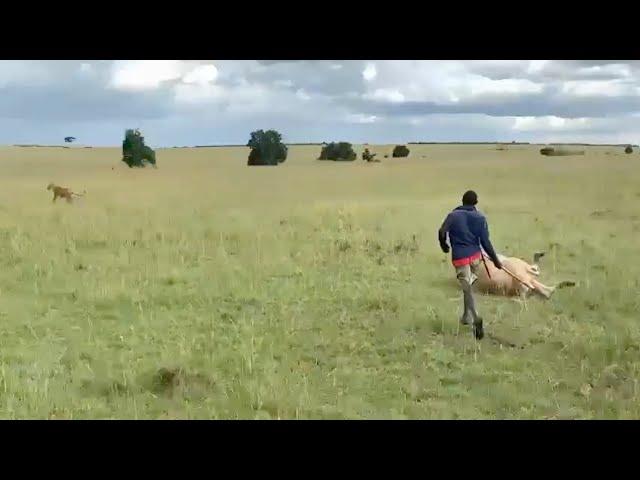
(77, 146)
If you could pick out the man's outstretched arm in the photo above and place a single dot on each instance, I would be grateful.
(488, 247)
(442, 234)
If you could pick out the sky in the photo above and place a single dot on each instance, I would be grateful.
(209, 102)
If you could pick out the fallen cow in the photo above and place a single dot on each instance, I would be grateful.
(516, 278)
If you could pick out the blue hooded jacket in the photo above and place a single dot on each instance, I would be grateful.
(468, 230)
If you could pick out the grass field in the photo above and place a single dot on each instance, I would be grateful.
(208, 289)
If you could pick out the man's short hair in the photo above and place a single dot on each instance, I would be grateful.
(470, 198)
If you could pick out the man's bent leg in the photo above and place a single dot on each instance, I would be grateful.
(466, 275)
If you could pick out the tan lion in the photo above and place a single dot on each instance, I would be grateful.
(63, 192)
(516, 278)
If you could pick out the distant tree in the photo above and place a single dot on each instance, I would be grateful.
(628, 149)
(547, 151)
(368, 156)
(400, 151)
(69, 139)
(266, 148)
(134, 152)
(340, 152)
(559, 152)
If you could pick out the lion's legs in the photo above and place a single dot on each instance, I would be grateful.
(542, 289)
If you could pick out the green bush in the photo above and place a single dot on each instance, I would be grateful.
(266, 148)
(367, 156)
(400, 151)
(547, 151)
(559, 152)
(628, 149)
(338, 151)
(134, 152)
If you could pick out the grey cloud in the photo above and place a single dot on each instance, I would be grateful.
(549, 102)
(43, 101)
(552, 71)
(79, 102)
(517, 107)
(315, 76)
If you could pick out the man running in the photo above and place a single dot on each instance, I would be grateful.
(468, 234)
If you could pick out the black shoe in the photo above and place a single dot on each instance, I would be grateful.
(478, 329)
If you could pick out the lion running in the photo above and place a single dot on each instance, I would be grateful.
(63, 192)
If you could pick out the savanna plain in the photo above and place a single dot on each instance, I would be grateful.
(315, 289)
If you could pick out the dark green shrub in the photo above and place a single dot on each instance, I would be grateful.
(547, 151)
(338, 151)
(559, 152)
(266, 148)
(628, 149)
(400, 151)
(134, 152)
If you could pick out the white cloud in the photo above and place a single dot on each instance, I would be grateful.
(201, 75)
(536, 66)
(612, 69)
(243, 98)
(386, 95)
(361, 118)
(532, 124)
(302, 95)
(283, 83)
(193, 81)
(444, 82)
(479, 85)
(595, 88)
(145, 74)
(194, 93)
(370, 72)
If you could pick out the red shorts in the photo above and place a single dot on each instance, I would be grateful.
(467, 260)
